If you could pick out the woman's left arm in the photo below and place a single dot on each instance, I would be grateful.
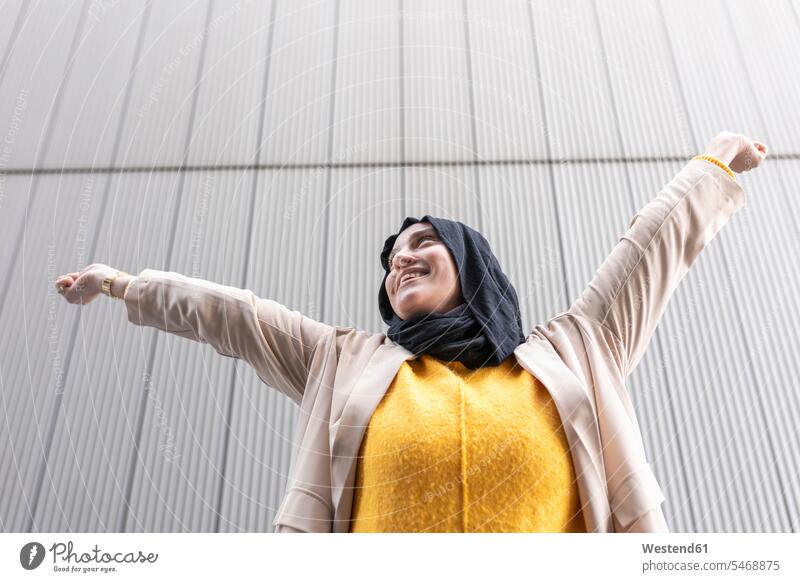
(630, 290)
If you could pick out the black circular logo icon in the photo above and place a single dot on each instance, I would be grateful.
(31, 555)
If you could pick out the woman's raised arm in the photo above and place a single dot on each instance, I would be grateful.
(276, 341)
(630, 290)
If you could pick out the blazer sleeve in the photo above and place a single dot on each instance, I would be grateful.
(276, 341)
(630, 290)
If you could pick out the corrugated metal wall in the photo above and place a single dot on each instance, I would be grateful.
(273, 145)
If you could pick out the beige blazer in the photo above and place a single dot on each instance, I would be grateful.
(338, 375)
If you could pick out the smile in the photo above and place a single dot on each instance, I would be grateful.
(411, 278)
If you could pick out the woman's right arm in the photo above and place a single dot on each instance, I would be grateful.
(278, 342)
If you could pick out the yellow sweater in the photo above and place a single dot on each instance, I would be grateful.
(450, 449)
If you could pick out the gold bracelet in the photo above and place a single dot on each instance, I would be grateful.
(105, 286)
(715, 161)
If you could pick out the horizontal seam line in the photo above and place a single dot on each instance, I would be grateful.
(378, 164)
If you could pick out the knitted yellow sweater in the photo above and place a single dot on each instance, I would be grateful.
(450, 449)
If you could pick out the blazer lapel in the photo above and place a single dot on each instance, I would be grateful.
(575, 406)
(347, 432)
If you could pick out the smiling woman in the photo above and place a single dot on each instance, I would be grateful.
(445, 294)
(423, 277)
(454, 420)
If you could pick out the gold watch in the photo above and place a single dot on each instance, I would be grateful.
(105, 286)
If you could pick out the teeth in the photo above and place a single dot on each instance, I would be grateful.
(411, 276)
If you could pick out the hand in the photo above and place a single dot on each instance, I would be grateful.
(739, 152)
(83, 287)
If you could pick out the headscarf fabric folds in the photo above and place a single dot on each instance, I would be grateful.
(485, 329)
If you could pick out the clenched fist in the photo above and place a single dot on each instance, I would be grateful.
(739, 152)
(83, 287)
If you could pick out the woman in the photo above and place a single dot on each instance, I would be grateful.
(455, 420)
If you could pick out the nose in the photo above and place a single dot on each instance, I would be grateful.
(403, 259)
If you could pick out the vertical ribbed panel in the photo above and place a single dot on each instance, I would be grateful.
(88, 467)
(757, 249)
(436, 82)
(648, 97)
(297, 115)
(770, 40)
(18, 404)
(728, 450)
(259, 455)
(577, 98)
(286, 255)
(521, 227)
(230, 93)
(445, 191)
(364, 209)
(508, 109)
(176, 483)
(86, 131)
(710, 69)
(594, 210)
(30, 83)
(719, 405)
(164, 85)
(14, 12)
(16, 196)
(366, 124)
(37, 340)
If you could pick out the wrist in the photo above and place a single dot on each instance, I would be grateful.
(716, 161)
(725, 148)
(120, 285)
(724, 155)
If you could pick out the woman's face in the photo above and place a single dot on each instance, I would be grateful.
(418, 249)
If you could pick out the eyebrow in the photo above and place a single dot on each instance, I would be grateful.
(414, 236)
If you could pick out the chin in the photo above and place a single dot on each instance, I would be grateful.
(414, 312)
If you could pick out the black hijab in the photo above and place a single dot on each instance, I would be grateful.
(482, 331)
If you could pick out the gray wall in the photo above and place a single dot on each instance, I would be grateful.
(273, 146)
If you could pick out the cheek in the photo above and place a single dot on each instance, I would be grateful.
(453, 282)
(442, 286)
(450, 274)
